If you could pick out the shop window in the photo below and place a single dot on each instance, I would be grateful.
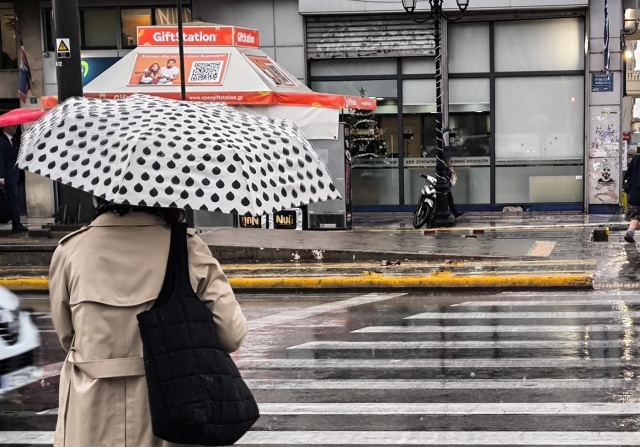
(419, 65)
(99, 28)
(9, 44)
(419, 95)
(539, 184)
(469, 118)
(353, 67)
(539, 118)
(465, 58)
(539, 45)
(48, 26)
(169, 16)
(131, 20)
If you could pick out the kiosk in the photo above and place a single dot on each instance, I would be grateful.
(225, 64)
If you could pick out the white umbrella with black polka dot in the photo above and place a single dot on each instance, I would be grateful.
(150, 151)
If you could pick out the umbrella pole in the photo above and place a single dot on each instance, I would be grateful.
(183, 91)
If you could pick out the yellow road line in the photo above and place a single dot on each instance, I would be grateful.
(442, 280)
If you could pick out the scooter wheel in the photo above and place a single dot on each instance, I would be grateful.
(421, 215)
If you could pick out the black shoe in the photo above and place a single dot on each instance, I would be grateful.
(629, 238)
(456, 215)
(19, 228)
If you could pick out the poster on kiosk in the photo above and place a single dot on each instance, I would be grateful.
(223, 64)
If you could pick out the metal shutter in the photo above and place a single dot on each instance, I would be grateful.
(340, 37)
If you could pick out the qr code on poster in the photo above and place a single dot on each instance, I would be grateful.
(209, 71)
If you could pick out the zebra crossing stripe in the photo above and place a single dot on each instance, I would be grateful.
(492, 329)
(450, 409)
(519, 315)
(548, 362)
(442, 409)
(295, 315)
(448, 384)
(594, 302)
(26, 437)
(491, 344)
(506, 438)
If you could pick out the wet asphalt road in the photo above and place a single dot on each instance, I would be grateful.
(461, 368)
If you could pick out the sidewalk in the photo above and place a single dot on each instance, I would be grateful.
(384, 251)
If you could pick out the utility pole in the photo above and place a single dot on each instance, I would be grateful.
(73, 205)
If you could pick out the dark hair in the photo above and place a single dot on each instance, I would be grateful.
(170, 215)
(169, 60)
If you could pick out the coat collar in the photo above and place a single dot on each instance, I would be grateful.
(133, 219)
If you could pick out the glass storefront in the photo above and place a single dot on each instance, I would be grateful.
(513, 115)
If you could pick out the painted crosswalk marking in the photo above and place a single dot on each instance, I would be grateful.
(518, 397)
(391, 364)
(443, 409)
(447, 384)
(450, 409)
(442, 438)
(552, 303)
(26, 437)
(295, 315)
(496, 329)
(497, 344)
(520, 315)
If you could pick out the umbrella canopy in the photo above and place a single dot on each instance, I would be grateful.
(150, 151)
(17, 117)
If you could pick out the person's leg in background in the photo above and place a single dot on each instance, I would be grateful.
(632, 213)
(13, 194)
(452, 205)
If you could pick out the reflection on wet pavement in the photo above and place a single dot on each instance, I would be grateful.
(560, 361)
(492, 368)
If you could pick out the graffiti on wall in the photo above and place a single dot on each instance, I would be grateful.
(604, 179)
(605, 132)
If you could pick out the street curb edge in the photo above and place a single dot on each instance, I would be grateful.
(38, 284)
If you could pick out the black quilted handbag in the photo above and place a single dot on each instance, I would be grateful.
(196, 393)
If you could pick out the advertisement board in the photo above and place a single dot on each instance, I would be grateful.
(271, 70)
(198, 36)
(163, 69)
(92, 67)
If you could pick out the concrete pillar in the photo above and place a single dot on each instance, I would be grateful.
(39, 190)
(604, 112)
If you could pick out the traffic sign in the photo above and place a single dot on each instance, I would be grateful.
(63, 48)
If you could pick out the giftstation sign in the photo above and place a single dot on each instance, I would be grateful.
(198, 36)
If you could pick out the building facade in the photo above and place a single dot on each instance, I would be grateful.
(533, 115)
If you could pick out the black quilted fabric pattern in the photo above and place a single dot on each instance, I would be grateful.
(196, 393)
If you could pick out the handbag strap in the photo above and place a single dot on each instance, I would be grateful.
(176, 275)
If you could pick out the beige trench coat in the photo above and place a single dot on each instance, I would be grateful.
(101, 277)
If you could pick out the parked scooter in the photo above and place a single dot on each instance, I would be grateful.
(427, 204)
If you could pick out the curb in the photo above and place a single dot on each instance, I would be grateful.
(40, 284)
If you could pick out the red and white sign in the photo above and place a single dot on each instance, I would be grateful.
(198, 36)
(244, 37)
(248, 98)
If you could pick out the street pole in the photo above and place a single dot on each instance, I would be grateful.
(183, 89)
(66, 21)
(74, 206)
(443, 216)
